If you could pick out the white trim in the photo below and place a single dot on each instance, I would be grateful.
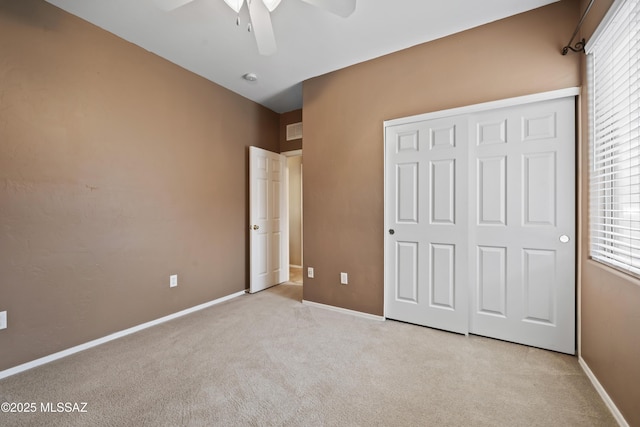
(292, 153)
(296, 153)
(344, 310)
(385, 239)
(295, 266)
(68, 352)
(285, 241)
(603, 393)
(492, 105)
(580, 189)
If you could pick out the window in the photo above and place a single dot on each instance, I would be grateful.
(614, 119)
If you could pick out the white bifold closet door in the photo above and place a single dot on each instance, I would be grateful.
(480, 212)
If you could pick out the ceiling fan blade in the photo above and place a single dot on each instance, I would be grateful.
(169, 5)
(262, 28)
(342, 8)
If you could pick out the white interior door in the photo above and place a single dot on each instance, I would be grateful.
(426, 239)
(268, 227)
(522, 234)
(482, 210)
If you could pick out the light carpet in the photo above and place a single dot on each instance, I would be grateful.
(268, 360)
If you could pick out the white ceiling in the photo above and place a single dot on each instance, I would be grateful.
(202, 36)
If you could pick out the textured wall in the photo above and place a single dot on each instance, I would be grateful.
(610, 300)
(343, 138)
(117, 169)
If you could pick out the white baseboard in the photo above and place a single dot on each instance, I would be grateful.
(111, 337)
(344, 310)
(295, 266)
(603, 394)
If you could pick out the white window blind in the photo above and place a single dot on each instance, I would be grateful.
(614, 110)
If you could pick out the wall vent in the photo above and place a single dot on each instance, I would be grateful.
(294, 131)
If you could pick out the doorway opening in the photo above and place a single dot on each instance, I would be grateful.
(294, 206)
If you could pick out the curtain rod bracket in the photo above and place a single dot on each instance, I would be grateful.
(579, 47)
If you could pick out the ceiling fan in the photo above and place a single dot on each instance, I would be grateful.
(260, 15)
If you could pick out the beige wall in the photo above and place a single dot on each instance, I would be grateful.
(294, 165)
(117, 169)
(343, 139)
(610, 301)
(294, 116)
(114, 176)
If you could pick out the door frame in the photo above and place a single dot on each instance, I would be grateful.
(469, 109)
(295, 153)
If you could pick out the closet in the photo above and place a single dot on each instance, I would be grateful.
(480, 220)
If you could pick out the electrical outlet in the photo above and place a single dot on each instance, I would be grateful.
(310, 272)
(344, 278)
(3, 319)
(173, 280)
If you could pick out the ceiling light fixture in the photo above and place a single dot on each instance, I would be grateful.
(271, 4)
(236, 5)
(250, 77)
